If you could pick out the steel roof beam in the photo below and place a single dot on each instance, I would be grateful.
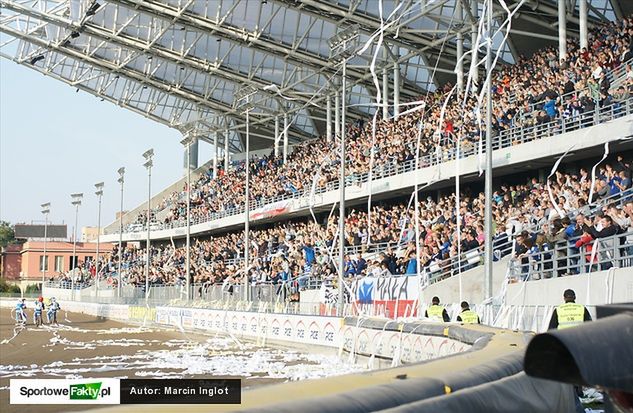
(96, 93)
(223, 72)
(207, 26)
(204, 101)
(336, 14)
(103, 34)
(263, 44)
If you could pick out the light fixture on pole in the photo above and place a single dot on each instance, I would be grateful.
(121, 180)
(186, 142)
(45, 210)
(99, 194)
(148, 155)
(243, 99)
(343, 46)
(76, 202)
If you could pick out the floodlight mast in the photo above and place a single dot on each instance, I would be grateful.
(76, 202)
(488, 174)
(243, 100)
(148, 155)
(186, 142)
(121, 180)
(343, 46)
(99, 193)
(45, 210)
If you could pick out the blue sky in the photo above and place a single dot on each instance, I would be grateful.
(54, 142)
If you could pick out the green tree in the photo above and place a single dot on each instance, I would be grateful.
(7, 235)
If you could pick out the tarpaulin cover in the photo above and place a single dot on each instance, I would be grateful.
(456, 332)
(518, 393)
(597, 353)
(401, 392)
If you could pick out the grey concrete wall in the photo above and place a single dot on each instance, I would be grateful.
(604, 287)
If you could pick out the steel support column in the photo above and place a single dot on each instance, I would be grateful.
(191, 157)
(396, 88)
(277, 136)
(328, 118)
(285, 137)
(385, 85)
(474, 10)
(226, 151)
(562, 31)
(216, 153)
(459, 68)
(337, 114)
(582, 9)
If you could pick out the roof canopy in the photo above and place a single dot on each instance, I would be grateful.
(181, 62)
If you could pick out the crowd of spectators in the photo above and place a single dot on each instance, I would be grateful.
(551, 237)
(534, 91)
(548, 236)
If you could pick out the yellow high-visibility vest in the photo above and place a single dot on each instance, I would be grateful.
(469, 317)
(435, 312)
(570, 315)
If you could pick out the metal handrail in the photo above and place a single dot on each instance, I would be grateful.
(566, 258)
(437, 270)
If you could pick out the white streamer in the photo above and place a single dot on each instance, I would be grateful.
(593, 172)
(560, 212)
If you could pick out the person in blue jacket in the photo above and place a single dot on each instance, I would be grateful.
(53, 308)
(20, 311)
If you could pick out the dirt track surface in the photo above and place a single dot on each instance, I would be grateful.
(84, 346)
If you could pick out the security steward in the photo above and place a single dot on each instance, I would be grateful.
(437, 312)
(467, 316)
(569, 314)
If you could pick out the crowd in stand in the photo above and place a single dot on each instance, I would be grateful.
(549, 236)
(534, 91)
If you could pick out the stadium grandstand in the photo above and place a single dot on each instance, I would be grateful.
(368, 158)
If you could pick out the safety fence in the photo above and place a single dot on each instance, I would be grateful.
(515, 317)
(578, 255)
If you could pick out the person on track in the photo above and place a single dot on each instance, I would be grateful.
(569, 314)
(38, 311)
(53, 308)
(437, 312)
(20, 312)
(468, 316)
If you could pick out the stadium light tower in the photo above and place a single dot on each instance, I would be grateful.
(76, 202)
(121, 180)
(243, 101)
(45, 210)
(148, 155)
(343, 46)
(99, 194)
(488, 173)
(186, 142)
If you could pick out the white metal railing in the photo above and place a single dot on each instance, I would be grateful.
(574, 256)
(435, 271)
